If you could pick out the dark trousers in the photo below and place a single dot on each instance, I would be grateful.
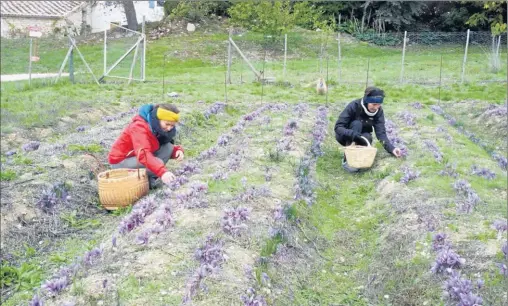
(357, 127)
(164, 154)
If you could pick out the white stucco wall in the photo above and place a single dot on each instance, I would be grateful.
(100, 15)
(48, 26)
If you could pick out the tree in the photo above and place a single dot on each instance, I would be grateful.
(130, 14)
(493, 14)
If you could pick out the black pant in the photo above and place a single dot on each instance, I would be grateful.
(357, 127)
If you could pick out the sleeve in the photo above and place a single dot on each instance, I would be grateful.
(345, 118)
(379, 128)
(143, 152)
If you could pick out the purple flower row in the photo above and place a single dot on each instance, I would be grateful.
(501, 160)
(409, 175)
(232, 221)
(408, 117)
(392, 134)
(319, 131)
(455, 289)
(468, 197)
(217, 107)
(211, 257)
(432, 146)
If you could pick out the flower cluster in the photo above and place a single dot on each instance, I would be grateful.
(217, 107)
(233, 220)
(188, 169)
(251, 193)
(81, 128)
(208, 153)
(501, 160)
(483, 172)
(120, 115)
(194, 196)
(469, 197)
(58, 193)
(392, 134)
(305, 185)
(434, 150)
(141, 210)
(409, 175)
(500, 225)
(440, 242)
(447, 259)
(408, 118)
(417, 105)
(449, 170)
(223, 140)
(290, 127)
(253, 299)
(319, 132)
(301, 109)
(92, 257)
(178, 182)
(460, 290)
(211, 257)
(496, 111)
(31, 146)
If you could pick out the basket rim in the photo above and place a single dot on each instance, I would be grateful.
(101, 177)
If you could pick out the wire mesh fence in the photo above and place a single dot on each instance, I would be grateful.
(78, 59)
(297, 58)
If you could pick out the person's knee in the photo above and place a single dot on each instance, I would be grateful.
(356, 126)
(164, 152)
(340, 139)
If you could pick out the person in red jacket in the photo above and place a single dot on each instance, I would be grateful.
(148, 142)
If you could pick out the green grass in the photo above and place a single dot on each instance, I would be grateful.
(7, 175)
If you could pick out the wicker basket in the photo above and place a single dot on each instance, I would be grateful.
(360, 157)
(121, 187)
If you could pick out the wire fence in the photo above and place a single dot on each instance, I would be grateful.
(297, 58)
(49, 60)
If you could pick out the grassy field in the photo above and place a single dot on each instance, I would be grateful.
(366, 239)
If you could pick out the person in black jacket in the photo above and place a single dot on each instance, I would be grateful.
(359, 118)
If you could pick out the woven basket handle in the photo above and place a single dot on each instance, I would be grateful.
(139, 163)
(367, 141)
(101, 166)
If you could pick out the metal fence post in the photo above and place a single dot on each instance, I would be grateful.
(143, 52)
(403, 56)
(228, 73)
(30, 64)
(71, 62)
(285, 56)
(105, 51)
(465, 57)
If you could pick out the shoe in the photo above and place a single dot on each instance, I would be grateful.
(347, 167)
(154, 183)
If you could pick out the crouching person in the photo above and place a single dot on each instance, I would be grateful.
(148, 142)
(357, 121)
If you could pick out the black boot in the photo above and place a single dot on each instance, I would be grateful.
(153, 182)
(347, 167)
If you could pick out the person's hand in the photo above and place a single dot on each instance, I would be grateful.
(167, 177)
(357, 137)
(179, 155)
(397, 152)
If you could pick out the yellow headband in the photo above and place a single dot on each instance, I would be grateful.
(164, 114)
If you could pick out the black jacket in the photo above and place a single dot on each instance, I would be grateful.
(354, 111)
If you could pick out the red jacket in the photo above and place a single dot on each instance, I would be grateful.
(138, 135)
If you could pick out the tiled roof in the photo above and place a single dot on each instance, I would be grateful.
(44, 9)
